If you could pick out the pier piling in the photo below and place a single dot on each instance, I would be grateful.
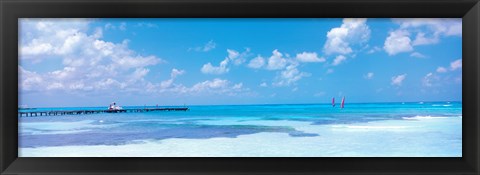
(80, 112)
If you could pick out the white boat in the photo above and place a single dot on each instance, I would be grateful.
(114, 106)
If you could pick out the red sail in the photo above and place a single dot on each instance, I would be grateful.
(343, 102)
(333, 101)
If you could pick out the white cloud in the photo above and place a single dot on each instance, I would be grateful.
(369, 76)
(339, 59)
(263, 84)
(421, 39)
(238, 86)
(309, 57)
(139, 73)
(430, 30)
(236, 57)
(457, 64)
(89, 63)
(351, 32)
(173, 75)
(397, 80)
(217, 86)
(276, 61)
(214, 84)
(289, 76)
(176, 72)
(35, 48)
(418, 55)
(397, 42)
(426, 31)
(29, 81)
(209, 69)
(441, 70)
(429, 79)
(257, 62)
(233, 56)
(210, 45)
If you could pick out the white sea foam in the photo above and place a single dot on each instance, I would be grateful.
(39, 128)
(441, 105)
(398, 138)
(369, 127)
(419, 117)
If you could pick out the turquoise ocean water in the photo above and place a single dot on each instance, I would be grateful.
(361, 129)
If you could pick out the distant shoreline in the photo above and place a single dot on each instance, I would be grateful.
(273, 104)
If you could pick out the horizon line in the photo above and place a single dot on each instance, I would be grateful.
(252, 104)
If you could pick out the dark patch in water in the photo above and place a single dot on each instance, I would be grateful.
(128, 133)
(302, 134)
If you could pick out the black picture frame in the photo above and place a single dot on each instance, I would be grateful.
(11, 10)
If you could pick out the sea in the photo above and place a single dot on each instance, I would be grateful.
(413, 129)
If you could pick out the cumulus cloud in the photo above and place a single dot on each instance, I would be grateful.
(233, 56)
(236, 57)
(30, 81)
(89, 63)
(339, 59)
(397, 42)
(351, 32)
(276, 61)
(173, 75)
(176, 72)
(457, 64)
(290, 75)
(309, 57)
(210, 45)
(420, 31)
(214, 86)
(454, 65)
(218, 86)
(256, 63)
(397, 80)
(210, 69)
(431, 29)
(429, 79)
(441, 70)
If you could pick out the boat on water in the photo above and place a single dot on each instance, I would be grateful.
(342, 105)
(333, 102)
(114, 107)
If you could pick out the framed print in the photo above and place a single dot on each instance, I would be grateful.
(239, 86)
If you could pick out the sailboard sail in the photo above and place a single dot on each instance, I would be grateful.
(333, 102)
(343, 103)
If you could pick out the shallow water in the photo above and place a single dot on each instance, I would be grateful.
(302, 130)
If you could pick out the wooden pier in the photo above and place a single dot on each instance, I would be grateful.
(80, 112)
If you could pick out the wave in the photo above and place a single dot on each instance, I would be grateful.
(442, 105)
(368, 127)
(419, 117)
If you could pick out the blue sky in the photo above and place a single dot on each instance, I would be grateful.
(92, 62)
